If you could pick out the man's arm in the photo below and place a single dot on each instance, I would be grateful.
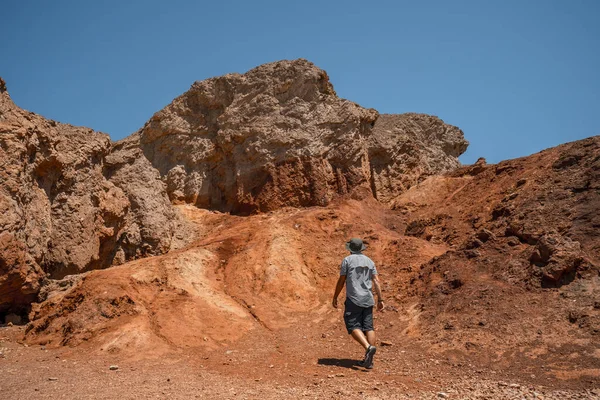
(338, 288)
(378, 292)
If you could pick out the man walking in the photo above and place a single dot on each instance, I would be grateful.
(359, 274)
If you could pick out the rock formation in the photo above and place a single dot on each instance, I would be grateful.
(406, 148)
(59, 213)
(472, 266)
(278, 135)
(151, 221)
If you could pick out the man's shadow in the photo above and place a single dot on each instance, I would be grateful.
(340, 362)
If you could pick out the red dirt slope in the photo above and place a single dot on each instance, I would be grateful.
(493, 268)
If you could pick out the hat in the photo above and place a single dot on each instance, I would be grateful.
(355, 245)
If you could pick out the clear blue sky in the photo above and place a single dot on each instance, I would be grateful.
(516, 76)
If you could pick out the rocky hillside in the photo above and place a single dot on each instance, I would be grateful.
(276, 136)
(522, 269)
(488, 267)
(224, 219)
(71, 202)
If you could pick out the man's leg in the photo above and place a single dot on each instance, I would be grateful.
(370, 337)
(359, 336)
(370, 350)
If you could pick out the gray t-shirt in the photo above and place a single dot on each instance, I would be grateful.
(359, 269)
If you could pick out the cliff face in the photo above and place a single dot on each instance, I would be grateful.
(54, 196)
(60, 214)
(275, 136)
(278, 136)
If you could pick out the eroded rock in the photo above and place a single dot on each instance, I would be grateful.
(60, 214)
(279, 135)
(406, 148)
(276, 136)
(558, 257)
(20, 276)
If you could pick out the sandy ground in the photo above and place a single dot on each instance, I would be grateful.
(290, 365)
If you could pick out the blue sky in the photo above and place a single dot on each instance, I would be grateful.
(515, 76)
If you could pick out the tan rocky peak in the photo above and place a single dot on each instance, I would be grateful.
(278, 77)
(278, 135)
(275, 136)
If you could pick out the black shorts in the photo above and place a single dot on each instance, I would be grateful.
(357, 317)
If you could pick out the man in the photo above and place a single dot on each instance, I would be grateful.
(359, 274)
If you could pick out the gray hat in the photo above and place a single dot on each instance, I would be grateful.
(355, 245)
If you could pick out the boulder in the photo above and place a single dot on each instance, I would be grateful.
(559, 258)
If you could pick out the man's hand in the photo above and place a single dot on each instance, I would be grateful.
(338, 288)
(378, 291)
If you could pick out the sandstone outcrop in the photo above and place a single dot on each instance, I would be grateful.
(54, 197)
(407, 148)
(59, 213)
(149, 226)
(20, 276)
(279, 135)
